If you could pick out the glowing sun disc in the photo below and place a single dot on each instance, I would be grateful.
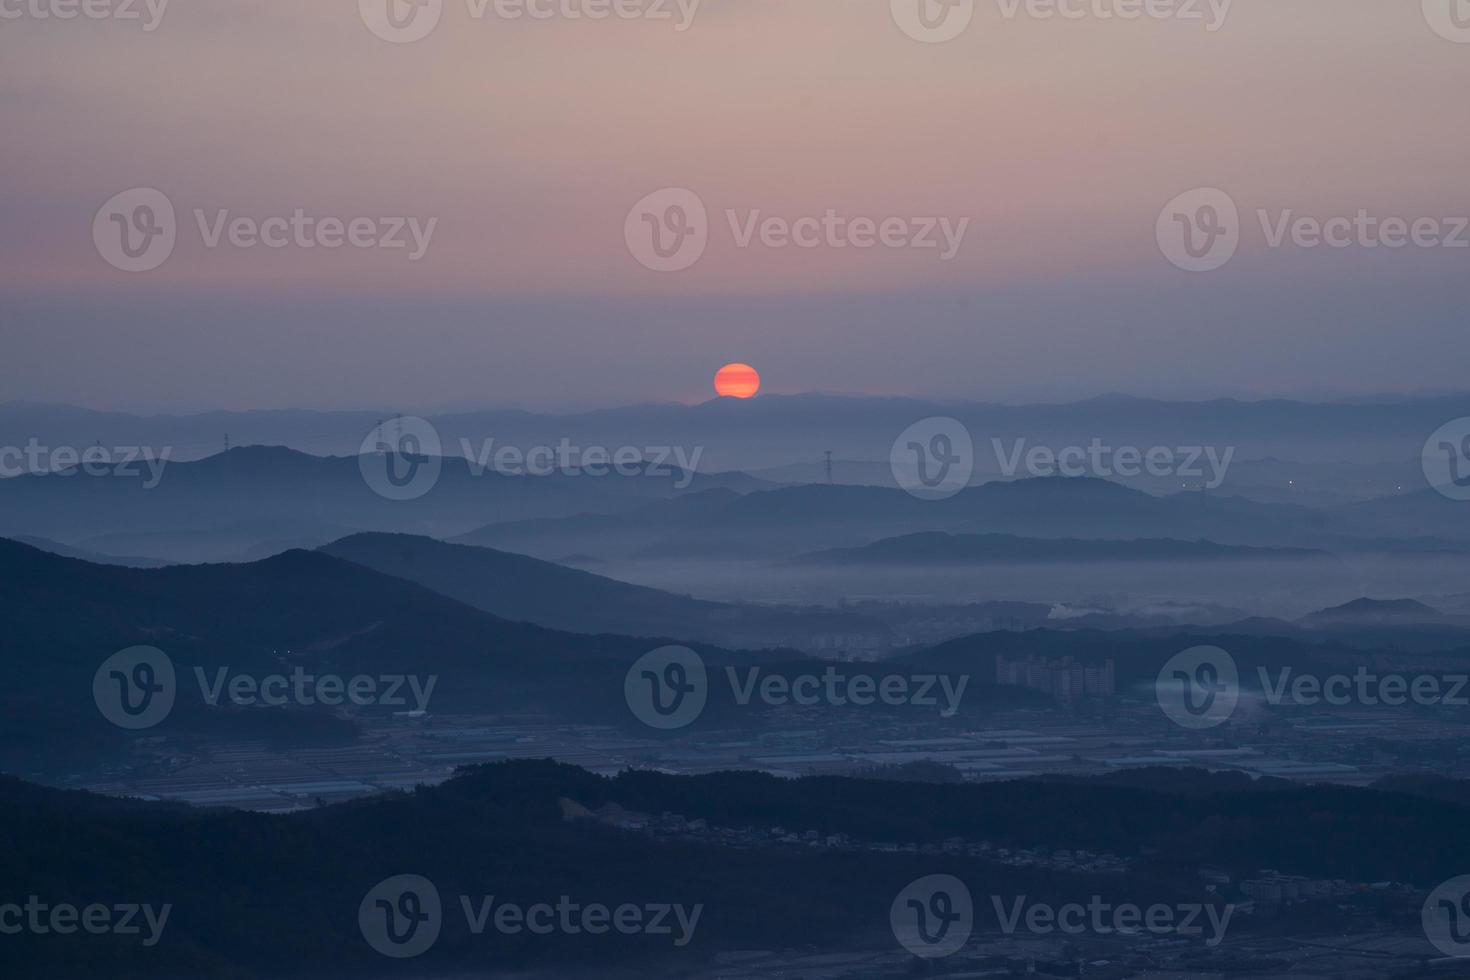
(737, 381)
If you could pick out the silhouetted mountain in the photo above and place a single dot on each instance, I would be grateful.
(301, 609)
(1366, 611)
(939, 548)
(82, 554)
(233, 541)
(221, 507)
(518, 587)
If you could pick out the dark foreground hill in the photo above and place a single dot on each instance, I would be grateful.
(521, 832)
(299, 611)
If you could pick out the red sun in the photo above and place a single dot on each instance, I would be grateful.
(737, 381)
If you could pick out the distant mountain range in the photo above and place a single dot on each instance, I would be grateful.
(775, 430)
(938, 548)
(790, 521)
(255, 501)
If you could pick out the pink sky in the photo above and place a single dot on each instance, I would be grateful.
(1058, 141)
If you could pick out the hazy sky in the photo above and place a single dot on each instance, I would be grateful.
(1057, 142)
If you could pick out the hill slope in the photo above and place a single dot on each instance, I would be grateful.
(518, 587)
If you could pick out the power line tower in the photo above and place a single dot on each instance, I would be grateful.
(829, 465)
